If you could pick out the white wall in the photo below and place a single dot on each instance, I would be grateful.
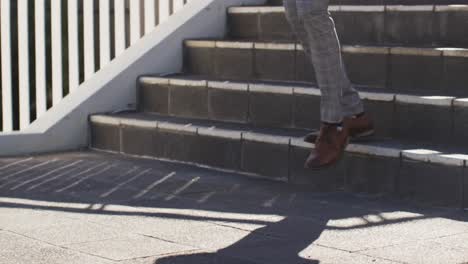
(66, 127)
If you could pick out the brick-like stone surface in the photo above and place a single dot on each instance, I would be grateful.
(367, 69)
(274, 26)
(274, 65)
(371, 174)
(323, 180)
(383, 114)
(199, 60)
(427, 123)
(265, 158)
(219, 152)
(304, 69)
(234, 63)
(138, 141)
(415, 73)
(451, 27)
(360, 27)
(269, 109)
(307, 111)
(188, 101)
(465, 188)
(228, 105)
(153, 98)
(244, 26)
(176, 146)
(105, 137)
(417, 181)
(408, 27)
(456, 79)
(460, 126)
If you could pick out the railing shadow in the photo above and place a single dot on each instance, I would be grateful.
(101, 189)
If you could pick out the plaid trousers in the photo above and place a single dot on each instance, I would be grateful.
(315, 29)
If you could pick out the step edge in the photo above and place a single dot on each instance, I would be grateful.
(414, 154)
(355, 49)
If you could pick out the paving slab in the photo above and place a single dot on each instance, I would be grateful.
(159, 212)
(17, 249)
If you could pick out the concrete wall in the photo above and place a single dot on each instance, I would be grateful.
(65, 127)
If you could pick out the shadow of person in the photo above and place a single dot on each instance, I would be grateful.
(279, 242)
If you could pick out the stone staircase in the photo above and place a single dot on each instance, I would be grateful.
(245, 102)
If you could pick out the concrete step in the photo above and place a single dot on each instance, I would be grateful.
(440, 71)
(384, 2)
(434, 119)
(421, 174)
(440, 25)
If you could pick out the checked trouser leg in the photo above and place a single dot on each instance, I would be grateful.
(315, 29)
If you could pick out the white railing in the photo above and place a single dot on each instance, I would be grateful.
(50, 47)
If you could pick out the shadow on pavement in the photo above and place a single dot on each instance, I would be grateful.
(287, 219)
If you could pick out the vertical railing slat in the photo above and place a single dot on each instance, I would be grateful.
(104, 32)
(144, 15)
(164, 10)
(41, 91)
(88, 31)
(23, 64)
(73, 47)
(119, 31)
(135, 26)
(56, 32)
(150, 18)
(5, 27)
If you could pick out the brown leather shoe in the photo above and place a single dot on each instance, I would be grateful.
(359, 128)
(329, 147)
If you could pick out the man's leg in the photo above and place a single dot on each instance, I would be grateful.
(339, 98)
(315, 28)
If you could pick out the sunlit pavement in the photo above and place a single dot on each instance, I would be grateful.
(88, 207)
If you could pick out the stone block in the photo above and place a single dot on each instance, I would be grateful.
(138, 140)
(371, 174)
(360, 27)
(105, 136)
(219, 152)
(267, 159)
(367, 66)
(228, 105)
(307, 111)
(275, 62)
(274, 26)
(188, 101)
(423, 123)
(455, 77)
(405, 26)
(244, 26)
(200, 60)
(153, 97)
(460, 123)
(451, 22)
(415, 71)
(271, 109)
(236, 62)
(418, 181)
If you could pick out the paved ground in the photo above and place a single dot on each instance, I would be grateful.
(98, 208)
